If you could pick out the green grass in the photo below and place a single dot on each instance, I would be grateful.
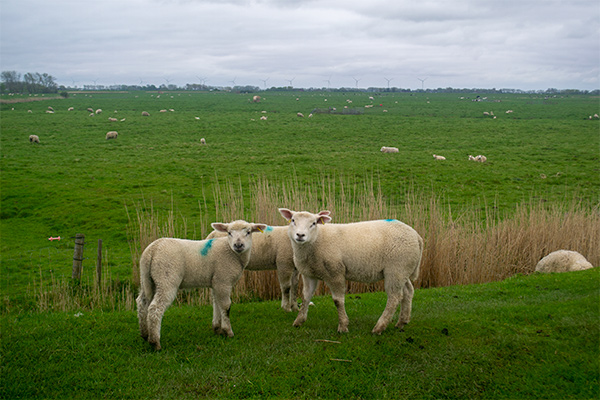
(531, 336)
(75, 181)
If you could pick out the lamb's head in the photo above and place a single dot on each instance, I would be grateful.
(304, 225)
(239, 233)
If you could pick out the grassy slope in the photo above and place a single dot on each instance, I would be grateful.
(75, 181)
(527, 337)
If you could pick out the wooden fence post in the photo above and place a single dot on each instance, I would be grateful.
(78, 256)
(99, 263)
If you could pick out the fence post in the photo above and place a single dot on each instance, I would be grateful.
(99, 263)
(78, 255)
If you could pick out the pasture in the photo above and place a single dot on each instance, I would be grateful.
(538, 191)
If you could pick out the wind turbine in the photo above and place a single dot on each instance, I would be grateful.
(356, 80)
(74, 82)
(141, 81)
(388, 81)
(328, 82)
(168, 81)
(265, 82)
(422, 82)
(291, 81)
(233, 81)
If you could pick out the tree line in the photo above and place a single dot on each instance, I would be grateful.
(32, 82)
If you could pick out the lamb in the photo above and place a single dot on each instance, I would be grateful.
(256, 99)
(169, 264)
(111, 135)
(34, 139)
(145, 114)
(481, 158)
(471, 158)
(111, 119)
(300, 115)
(71, 109)
(363, 251)
(99, 111)
(563, 261)
(90, 109)
(386, 149)
(202, 141)
(439, 157)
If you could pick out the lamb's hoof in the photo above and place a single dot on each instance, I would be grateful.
(156, 346)
(298, 324)
(342, 329)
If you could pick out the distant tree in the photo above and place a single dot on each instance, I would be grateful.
(12, 81)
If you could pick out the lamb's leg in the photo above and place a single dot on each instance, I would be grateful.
(338, 293)
(161, 301)
(294, 289)
(222, 296)
(142, 311)
(394, 296)
(216, 320)
(406, 305)
(310, 285)
(284, 274)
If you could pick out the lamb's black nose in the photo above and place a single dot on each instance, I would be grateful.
(239, 247)
(300, 237)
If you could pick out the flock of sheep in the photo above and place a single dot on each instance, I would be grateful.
(368, 251)
(480, 158)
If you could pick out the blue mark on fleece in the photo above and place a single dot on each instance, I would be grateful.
(391, 220)
(269, 229)
(207, 247)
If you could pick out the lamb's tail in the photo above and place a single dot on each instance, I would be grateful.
(146, 283)
(415, 274)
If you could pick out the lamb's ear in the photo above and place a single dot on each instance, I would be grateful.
(324, 212)
(287, 214)
(323, 219)
(218, 226)
(259, 228)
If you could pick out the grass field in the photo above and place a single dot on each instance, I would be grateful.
(75, 181)
(534, 337)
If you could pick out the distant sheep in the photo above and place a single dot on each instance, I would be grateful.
(300, 115)
(256, 99)
(70, 108)
(50, 108)
(34, 139)
(479, 158)
(112, 119)
(386, 149)
(363, 251)
(435, 156)
(563, 261)
(163, 111)
(264, 118)
(111, 135)
(145, 114)
(99, 111)
(168, 265)
(202, 141)
(49, 112)
(90, 109)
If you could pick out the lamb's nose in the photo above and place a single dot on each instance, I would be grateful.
(300, 236)
(239, 247)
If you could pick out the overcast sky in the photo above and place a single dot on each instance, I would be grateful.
(520, 44)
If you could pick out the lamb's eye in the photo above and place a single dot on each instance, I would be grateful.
(229, 233)
(248, 233)
(313, 224)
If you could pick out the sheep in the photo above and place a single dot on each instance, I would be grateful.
(49, 112)
(34, 139)
(90, 109)
(256, 99)
(145, 114)
(386, 149)
(471, 158)
(481, 158)
(202, 141)
(163, 111)
(363, 251)
(563, 261)
(435, 156)
(111, 135)
(71, 109)
(99, 111)
(112, 119)
(263, 118)
(169, 264)
(50, 109)
(300, 115)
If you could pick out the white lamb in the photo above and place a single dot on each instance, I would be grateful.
(439, 157)
(202, 141)
(273, 251)
(364, 252)
(563, 261)
(145, 114)
(481, 158)
(168, 265)
(111, 135)
(300, 115)
(386, 149)
(99, 111)
(34, 139)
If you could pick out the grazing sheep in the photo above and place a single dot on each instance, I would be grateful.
(386, 149)
(49, 112)
(111, 135)
(90, 109)
(202, 141)
(256, 99)
(563, 261)
(481, 158)
(99, 111)
(471, 158)
(145, 114)
(70, 108)
(263, 118)
(168, 265)
(112, 119)
(50, 108)
(486, 113)
(163, 110)
(29, 111)
(363, 251)
(300, 115)
(34, 139)
(439, 157)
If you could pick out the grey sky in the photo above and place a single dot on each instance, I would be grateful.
(524, 44)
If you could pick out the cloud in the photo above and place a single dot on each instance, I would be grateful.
(469, 43)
